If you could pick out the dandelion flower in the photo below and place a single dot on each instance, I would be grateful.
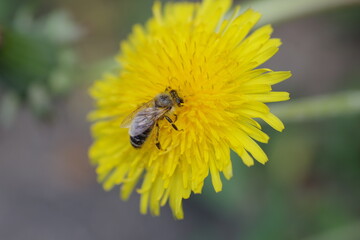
(206, 53)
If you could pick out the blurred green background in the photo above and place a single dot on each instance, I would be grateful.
(50, 53)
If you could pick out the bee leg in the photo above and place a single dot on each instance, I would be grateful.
(158, 145)
(172, 123)
(157, 142)
(176, 117)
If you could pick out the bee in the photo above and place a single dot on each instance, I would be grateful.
(142, 121)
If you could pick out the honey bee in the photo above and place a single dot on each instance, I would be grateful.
(142, 121)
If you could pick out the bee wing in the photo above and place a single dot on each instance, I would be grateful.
(145, 120)
(126, 123)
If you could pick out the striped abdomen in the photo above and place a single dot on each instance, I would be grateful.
(138, 140)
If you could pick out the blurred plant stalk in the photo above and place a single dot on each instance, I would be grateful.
(319, 107)
(277, 11)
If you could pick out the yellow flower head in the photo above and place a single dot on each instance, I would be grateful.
(208, 57)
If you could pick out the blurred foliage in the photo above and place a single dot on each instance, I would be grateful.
(37, 62)
(342, 19)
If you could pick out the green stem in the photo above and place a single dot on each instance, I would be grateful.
(318, 107)
(282, 10)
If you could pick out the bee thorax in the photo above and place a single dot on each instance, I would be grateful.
(163, 100)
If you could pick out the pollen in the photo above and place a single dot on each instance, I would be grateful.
(208, 54)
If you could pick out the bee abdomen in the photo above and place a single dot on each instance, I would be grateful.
(138, 140)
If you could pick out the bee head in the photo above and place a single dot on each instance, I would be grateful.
(178, 100)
